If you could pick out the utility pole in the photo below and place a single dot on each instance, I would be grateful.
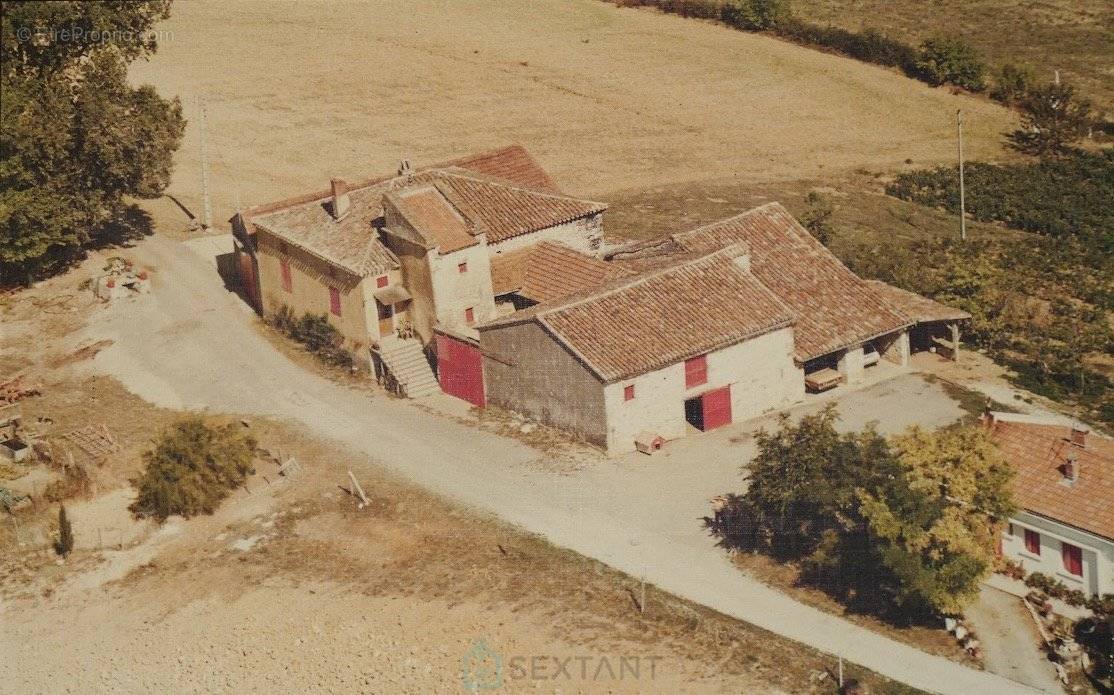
(207, 210)
(962, 191)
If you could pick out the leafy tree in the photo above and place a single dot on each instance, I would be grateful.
(947, 59)
(1053, 118)
(192, 468)
(77, 138)
(936, 524)
(817, 218)
(1013, 83)
(64, 546)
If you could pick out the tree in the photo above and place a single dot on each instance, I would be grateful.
(817, 219)
(1013, 83)
(64, 545)
(936, 524)
(755, 15)
(77, 138)
(949, 59)
(192, 468)
(1053, 118)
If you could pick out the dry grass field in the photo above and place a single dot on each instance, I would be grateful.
(607, 98)
(1073, 36)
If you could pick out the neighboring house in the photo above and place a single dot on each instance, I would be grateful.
(407, 254)
(1064, 489)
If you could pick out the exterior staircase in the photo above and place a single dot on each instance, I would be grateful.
(407, 368)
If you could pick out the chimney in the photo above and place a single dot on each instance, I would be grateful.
(1079, 435)
(1071, 468)
(405, 170)
(341, 203)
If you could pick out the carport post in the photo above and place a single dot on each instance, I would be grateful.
(955, 341)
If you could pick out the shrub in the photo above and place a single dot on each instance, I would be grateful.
(192, 468)
(1014, 82)
(755, 15)
(64, 545)
(817, 219)
(701, 9)
(951, 60)
(1053, 118)
(314, 332)
(1101, 605)
(871, 45)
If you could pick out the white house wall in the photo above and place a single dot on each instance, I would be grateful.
(1098, 553)
(584, 235)
(454, 291)
(760, 371)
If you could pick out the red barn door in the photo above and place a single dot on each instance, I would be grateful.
(460, 369)
(247, 279)
(717, 408)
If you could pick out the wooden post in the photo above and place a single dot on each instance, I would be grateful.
(841, 672)
(962, 192)
(955, 341)
(642, 600)
(207, 205)
(358, 490)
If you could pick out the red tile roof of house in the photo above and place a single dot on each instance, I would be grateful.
(434, 217)
(836, 309)
(920, 309)
(488, 189)
(1038, 452)
(549, 270)
(637, 324)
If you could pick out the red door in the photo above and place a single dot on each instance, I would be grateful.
(247, 279)
(460, 369)
(717, 408)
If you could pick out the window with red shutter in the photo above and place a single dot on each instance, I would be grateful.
(1033, 542)
(696, 371)
(462, 267)
(381, 281)
(1073, 558)
(334, 301)
(469, 315)
(287, 281)
(628, 393)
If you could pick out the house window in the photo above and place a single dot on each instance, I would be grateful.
(462, 267)
(696, 371)
(469, 316)
(1033, 542)
(1073, 558)
(287, 281)
(381, 281)
(628, 393)
(334, 301)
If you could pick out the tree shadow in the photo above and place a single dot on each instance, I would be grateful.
(128, 225)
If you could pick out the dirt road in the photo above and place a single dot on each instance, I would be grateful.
(192, 344)
(607, 98)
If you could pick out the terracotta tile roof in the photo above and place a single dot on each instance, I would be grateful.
(507, 211)
(512, 163)
(836, 308)
(491, 190)
(549, 270)
(433, 216)
(920, 309)
(633, 325)
(1038, 452)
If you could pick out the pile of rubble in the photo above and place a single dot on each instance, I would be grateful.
(120, 280)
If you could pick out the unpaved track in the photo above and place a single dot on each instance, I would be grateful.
(607, 98)
(192, 344)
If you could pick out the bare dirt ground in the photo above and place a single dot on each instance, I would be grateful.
(607, 98)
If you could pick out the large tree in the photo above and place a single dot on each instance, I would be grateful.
(1053, 118)
(77, 139)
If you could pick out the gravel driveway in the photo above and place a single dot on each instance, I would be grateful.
(192, 344)
(1010, 642)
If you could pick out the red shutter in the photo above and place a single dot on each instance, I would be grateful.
(696, 371)
(381, 281)
(334, 301)
(469, 315)
(287, 281)
(1073, 559)
(462, 267)
(628, 393)
(1033, 542)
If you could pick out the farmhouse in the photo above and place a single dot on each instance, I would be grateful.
(1064, 489)
(392, 260)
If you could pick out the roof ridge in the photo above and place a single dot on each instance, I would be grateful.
(496, 181)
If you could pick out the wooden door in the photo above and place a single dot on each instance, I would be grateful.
(460, 369)
(716, 408)
(386, 319)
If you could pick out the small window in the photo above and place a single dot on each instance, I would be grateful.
(696, 371)
(287, 280)
(1073, 559)
(628, 393)
(381, 281)
(469, 316)
(462, 267)
(1032, 542)
(334, 301)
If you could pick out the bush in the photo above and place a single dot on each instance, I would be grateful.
(192, 468)
(755, 15)
(1053, 118)
(1101, 605)
(951, 60)
(870, 45)
(1013, 83)
(316, 333)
